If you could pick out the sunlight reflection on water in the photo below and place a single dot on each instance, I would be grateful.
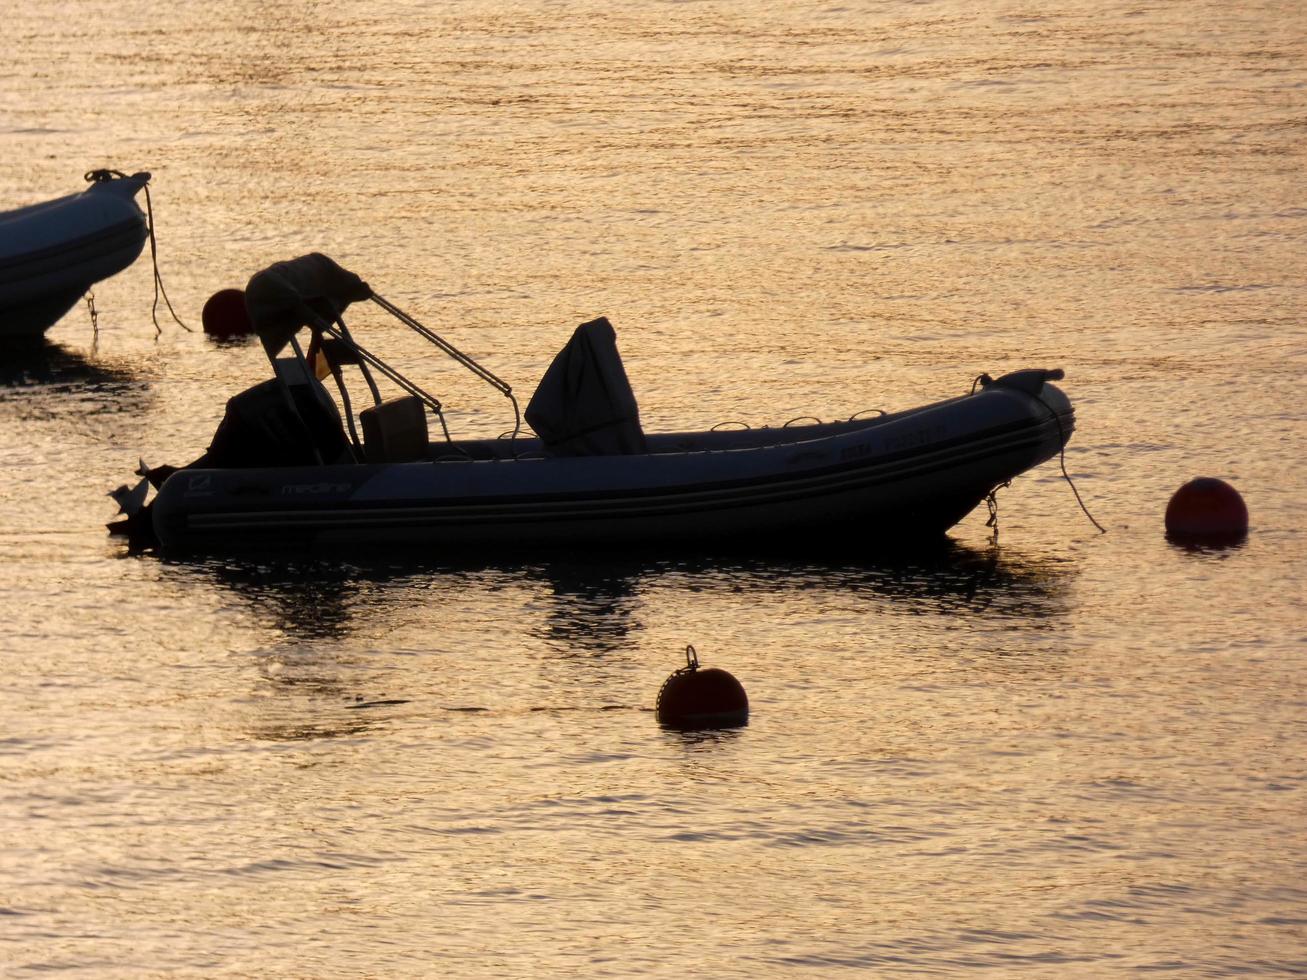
(1064, 754)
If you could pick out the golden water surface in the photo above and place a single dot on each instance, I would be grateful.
(1067, 754)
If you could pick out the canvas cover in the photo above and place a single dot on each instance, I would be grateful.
(297, 293)
(584, 405)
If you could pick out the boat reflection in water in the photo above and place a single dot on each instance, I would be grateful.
(62, 408)
(591, 603)
(344, 647)
(59, 370)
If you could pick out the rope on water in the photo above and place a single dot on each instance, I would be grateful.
(1061, 458)
(158, 279)
(983, 381)
(101, 176)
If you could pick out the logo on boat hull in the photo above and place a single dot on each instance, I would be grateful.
(302, 489)
(916, 438)
(199, 485)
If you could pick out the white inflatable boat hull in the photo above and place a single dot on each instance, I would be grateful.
(52, 253)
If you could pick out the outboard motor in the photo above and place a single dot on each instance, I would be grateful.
(260, 429)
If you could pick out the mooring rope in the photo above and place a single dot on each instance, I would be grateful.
(102, 176)
(991, 499)
(691, 666)
(158, 278)
(984, 381)
(95, 315)
(1061, 458)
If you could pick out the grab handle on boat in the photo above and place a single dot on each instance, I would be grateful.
(482, 372)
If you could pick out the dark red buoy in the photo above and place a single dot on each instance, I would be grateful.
(1206, 510)
(225, 316)
(694, 698)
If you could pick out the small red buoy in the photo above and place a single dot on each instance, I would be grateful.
(693, 698)
(225, 316)
(1206, 510)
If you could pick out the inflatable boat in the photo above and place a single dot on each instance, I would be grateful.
(52, 253)
(288, 468)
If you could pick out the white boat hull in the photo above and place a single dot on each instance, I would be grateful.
(52, 253)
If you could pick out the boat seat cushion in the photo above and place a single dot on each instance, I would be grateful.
(395, 431)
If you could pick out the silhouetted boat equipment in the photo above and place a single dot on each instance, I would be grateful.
(287, 471)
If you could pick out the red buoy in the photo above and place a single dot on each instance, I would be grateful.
(1206, 510)
(225, 316)
(693, 698)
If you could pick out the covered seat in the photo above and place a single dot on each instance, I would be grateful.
(584, 405)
